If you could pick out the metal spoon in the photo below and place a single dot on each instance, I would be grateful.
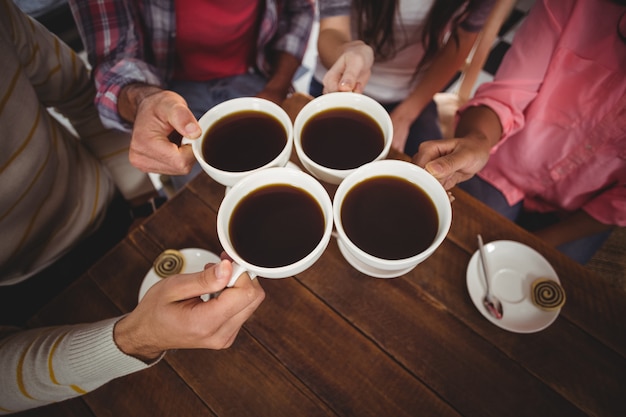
(491, 303)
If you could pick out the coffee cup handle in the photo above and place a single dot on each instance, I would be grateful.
(238, 270)
(186, 141)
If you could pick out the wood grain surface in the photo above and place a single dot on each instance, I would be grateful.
(334, 342)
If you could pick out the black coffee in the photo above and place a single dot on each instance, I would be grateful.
(276, 225)
(243, 141)
(389, 217)
(342, 138)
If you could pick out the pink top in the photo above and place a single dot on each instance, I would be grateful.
(560, 95)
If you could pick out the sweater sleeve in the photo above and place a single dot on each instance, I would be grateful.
(46, 365)
(62, 84)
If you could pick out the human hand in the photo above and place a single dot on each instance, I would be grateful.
(158, 114)
(352, 70)
(452, 161)
(275, 95)
(173, 316)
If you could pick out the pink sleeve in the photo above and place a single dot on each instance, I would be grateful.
(521, 73)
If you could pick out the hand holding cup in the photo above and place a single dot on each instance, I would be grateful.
(242, 136)
(275, 223)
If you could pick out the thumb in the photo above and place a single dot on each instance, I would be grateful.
(223, 270)
(211, 280)
(347, 82)
(185, 123)
(218, 275)
(441, 167)
(435, 168)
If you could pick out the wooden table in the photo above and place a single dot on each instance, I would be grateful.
(334, 342)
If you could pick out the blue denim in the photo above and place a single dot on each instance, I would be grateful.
(425, 127)
(203, 95)
(580, 250)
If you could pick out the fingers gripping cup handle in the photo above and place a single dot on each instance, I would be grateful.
(238, 271)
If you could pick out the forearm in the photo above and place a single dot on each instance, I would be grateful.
(445, 65)
(334, 35)
(576, 226)
(284, 69)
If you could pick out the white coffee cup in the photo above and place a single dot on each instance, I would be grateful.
(229, 107)
(339, 100)
(262, 180)
(374, 265)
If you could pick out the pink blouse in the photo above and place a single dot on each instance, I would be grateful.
(560, 94)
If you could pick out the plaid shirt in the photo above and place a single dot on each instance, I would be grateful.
(134, 41)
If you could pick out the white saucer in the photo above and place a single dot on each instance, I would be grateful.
(195, 260)
(514, 267)
(366, 269)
